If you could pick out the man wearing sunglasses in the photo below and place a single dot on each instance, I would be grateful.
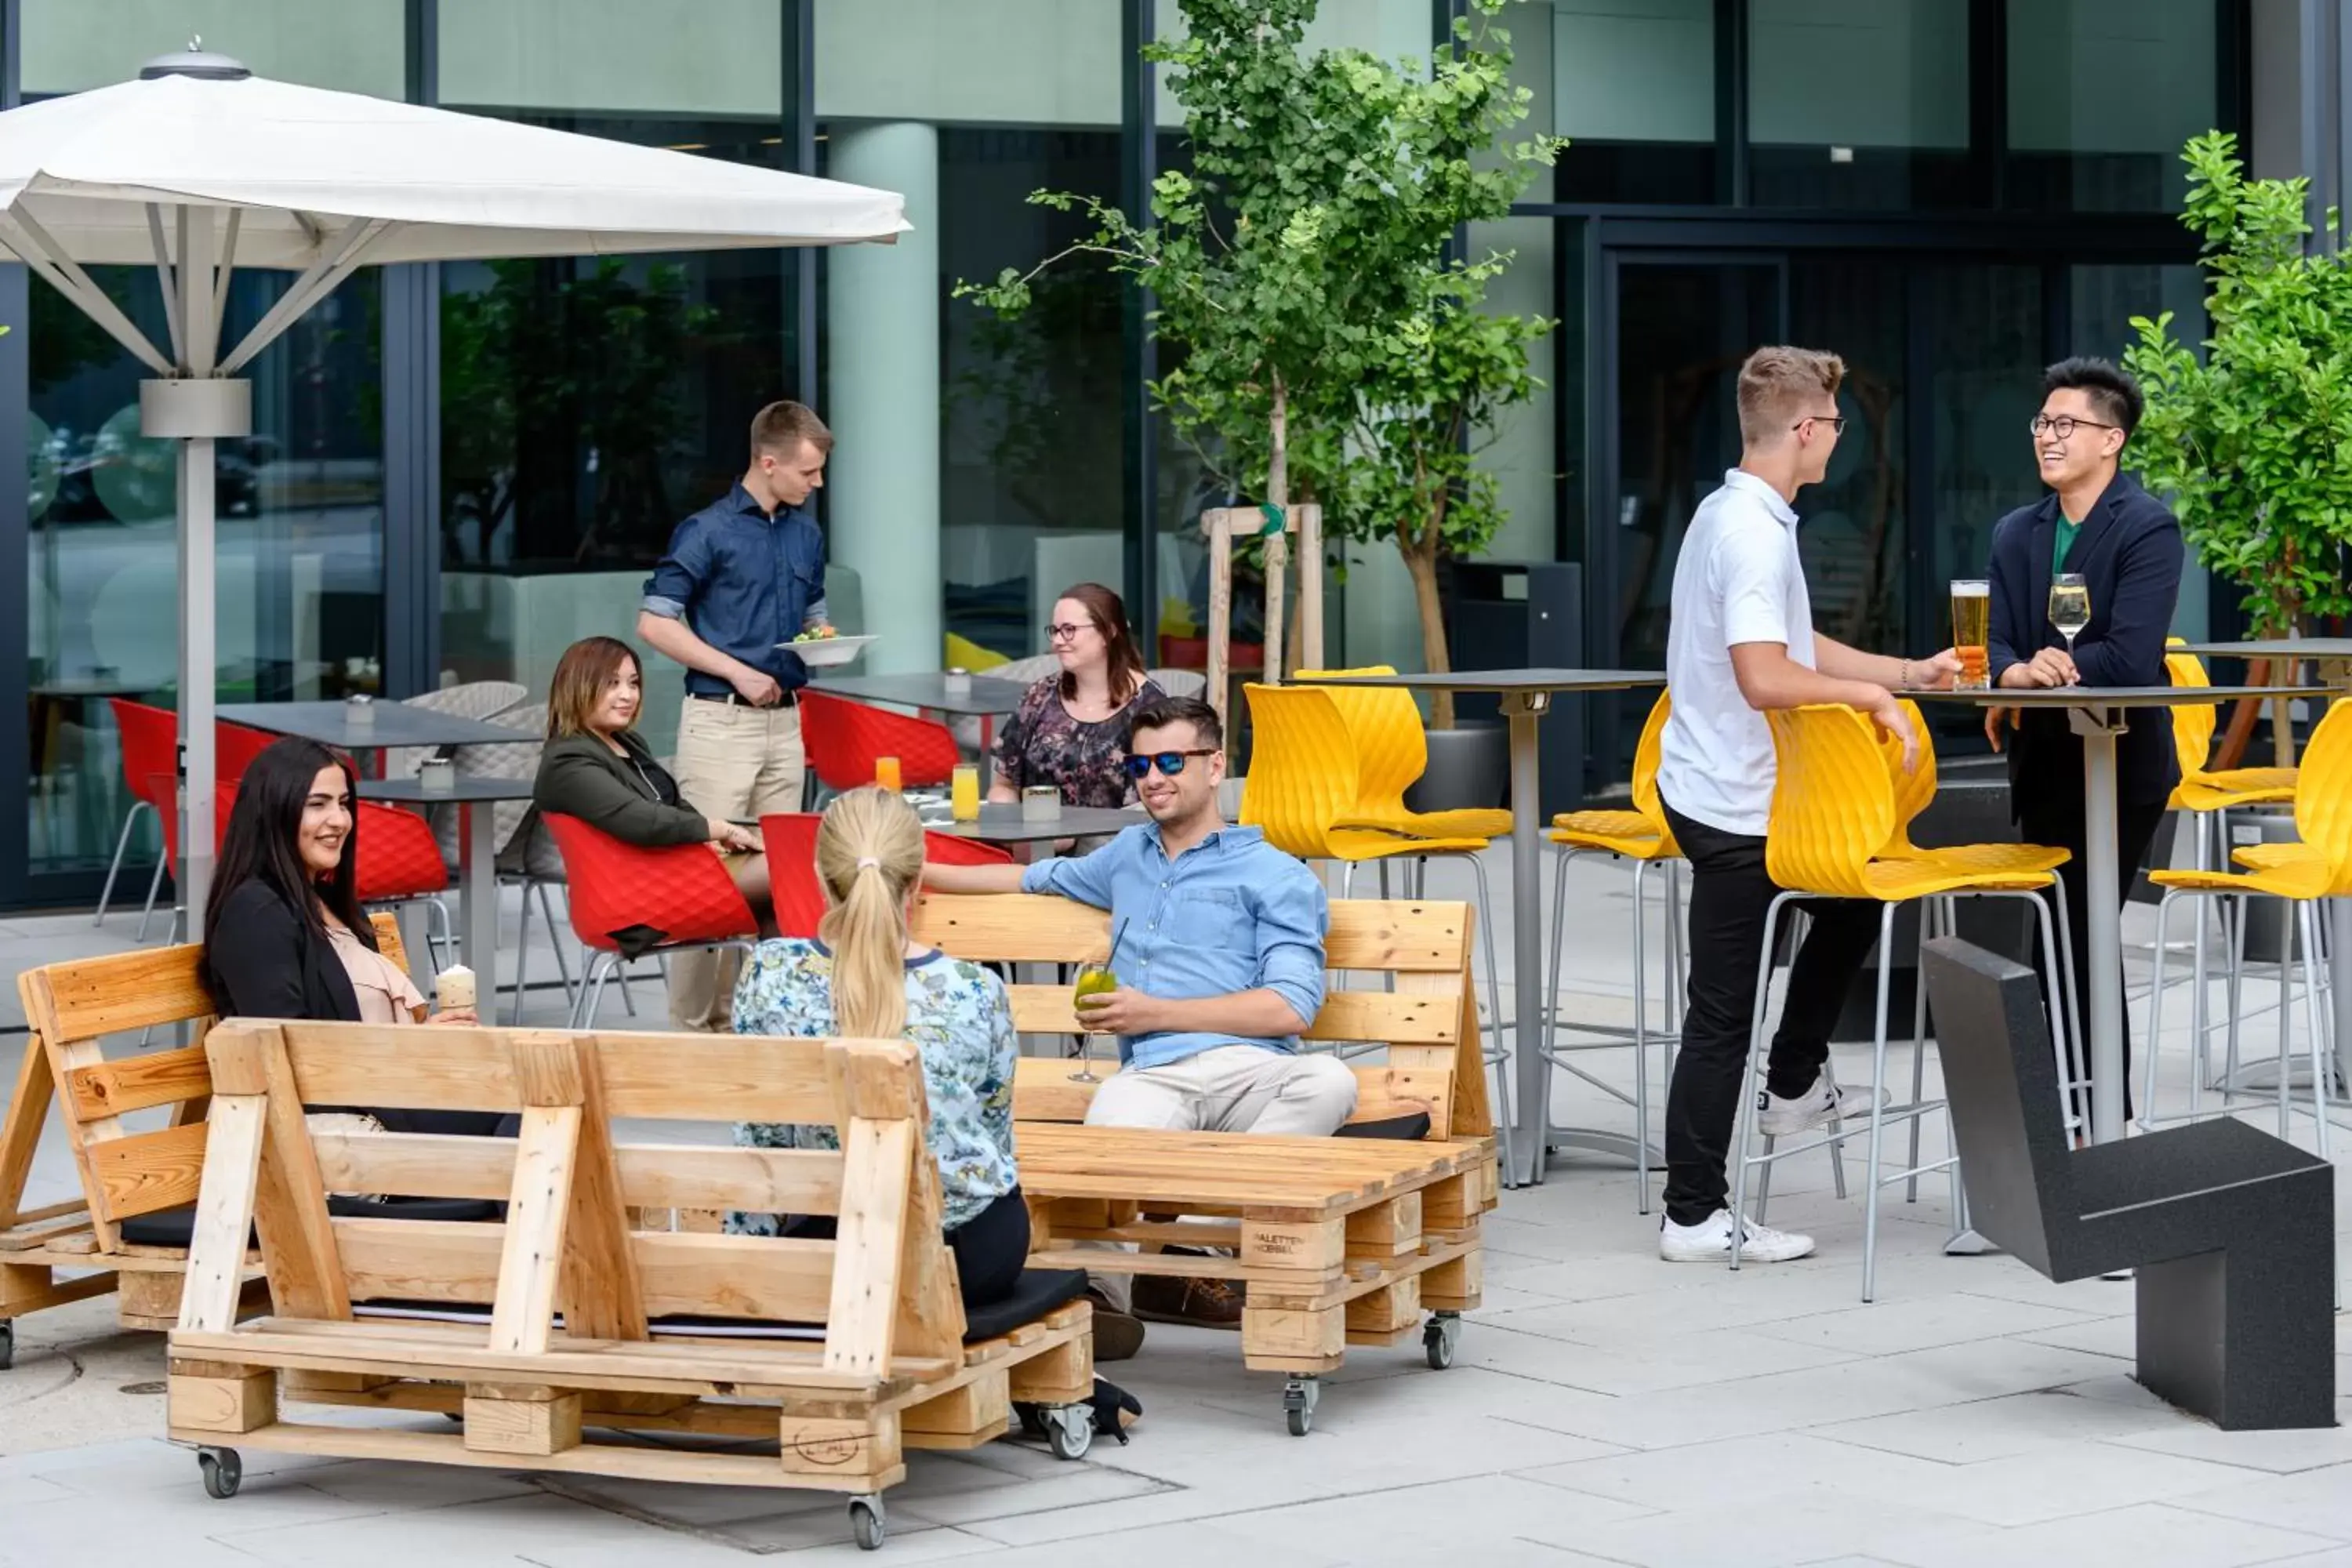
(1218, 945)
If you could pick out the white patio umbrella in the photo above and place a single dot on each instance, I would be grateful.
(199, 166)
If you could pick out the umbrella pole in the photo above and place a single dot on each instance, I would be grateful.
(200, 345)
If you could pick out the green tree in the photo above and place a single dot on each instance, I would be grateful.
(1331, 348)
(2255, 442)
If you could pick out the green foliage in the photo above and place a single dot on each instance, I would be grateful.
(2254, 444)
(1300, 276)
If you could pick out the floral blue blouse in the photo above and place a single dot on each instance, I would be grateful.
(959, 1018)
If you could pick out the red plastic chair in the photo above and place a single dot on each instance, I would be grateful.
(399, 862)
(842, 738)
(234, 749)
(151, 764)
(790, 838)
(947, 849)
(680, 890)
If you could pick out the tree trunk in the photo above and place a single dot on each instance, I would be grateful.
(1421, 561)
(1277, 544)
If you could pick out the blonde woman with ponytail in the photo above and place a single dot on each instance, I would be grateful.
(863, 977)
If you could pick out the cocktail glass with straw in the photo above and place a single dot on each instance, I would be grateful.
(1094, 979)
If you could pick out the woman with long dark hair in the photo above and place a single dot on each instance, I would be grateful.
(1071, 729)
(284, 933)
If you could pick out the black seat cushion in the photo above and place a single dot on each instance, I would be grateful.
(1409, 1129)
(175, 1227)
(1037, 1292)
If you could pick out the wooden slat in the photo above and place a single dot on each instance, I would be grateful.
(216, 1277)
(1406, 936)
(441, 1069)
(721, 1078)
(784, 1280)
(878, 1158)
(1432, 1018)
(290, 1205)
(653, 1175)
(147, 1172)
(598, 1289)
(446, 1261)
(20, 1127)
(136, 1083)
(90, 997)
(1472, 1117)
(531, 1261)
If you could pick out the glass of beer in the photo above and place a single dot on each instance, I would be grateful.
(963, 792)
(1094, 980)
(1972, 631)
(2070, 606)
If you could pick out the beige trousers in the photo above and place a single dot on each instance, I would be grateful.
(733, 762)
(1232, 1088)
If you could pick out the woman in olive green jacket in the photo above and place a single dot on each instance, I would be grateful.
(598, 769)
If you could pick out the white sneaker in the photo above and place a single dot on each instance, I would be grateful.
(1816, 1106)
(1710, 1241)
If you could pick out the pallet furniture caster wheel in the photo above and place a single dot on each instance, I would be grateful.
(868, 1524)
(1298, 1404)
(224, 1471)
(1071, 1431)
(1439, 1338)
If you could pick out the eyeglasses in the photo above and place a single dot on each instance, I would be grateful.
(1836, 422)
(1066, 632)
(2063, 427)
(1170, 763)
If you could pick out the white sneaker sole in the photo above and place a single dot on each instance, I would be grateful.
(1720, 1255)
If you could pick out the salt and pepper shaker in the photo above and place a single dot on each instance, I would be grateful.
(358, 712)
(957, 682)
(1041, 802)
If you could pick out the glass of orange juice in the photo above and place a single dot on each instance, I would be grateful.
(885, 773)
(963, 786)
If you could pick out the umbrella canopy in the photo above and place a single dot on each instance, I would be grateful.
(199, 166)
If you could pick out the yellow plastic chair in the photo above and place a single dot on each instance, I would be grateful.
(1391, 753)
(1304, 788)
(1643, 838)
(2317, 868)
(1833, 815)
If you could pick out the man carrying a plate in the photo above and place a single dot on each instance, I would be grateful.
(741, 576)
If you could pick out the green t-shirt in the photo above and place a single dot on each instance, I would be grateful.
(2062, 543)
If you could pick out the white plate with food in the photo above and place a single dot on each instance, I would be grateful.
(826, 652)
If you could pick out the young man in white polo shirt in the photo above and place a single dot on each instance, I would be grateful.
(1742, 642)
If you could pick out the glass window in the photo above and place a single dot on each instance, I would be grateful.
(1632, 84)
(357, 46)
(1859, 103)
(588, 405)
(2101, 99)
(299, 525)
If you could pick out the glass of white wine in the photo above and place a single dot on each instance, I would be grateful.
(2070, 606)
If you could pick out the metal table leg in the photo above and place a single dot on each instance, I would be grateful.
(1525, 709)
(2098, 727)
(477, 898)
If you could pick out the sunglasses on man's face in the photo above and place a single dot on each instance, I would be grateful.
(1170, 763)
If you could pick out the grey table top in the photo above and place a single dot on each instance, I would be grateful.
(981, 696)
(2276, 648)
(1507, 681)
(1002, 824)
(2108, 696)
(391, 724)
(463, 789)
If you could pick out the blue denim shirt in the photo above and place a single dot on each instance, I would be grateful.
(743, 583)
(1232, 914)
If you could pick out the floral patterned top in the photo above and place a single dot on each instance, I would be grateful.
(959, 1017)
(1042, 744)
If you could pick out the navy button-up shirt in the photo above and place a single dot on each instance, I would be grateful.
(1232, 913)
(743, 582)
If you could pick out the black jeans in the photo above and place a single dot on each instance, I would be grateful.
(1730, 893)
(991, 1248)
(2055, 817)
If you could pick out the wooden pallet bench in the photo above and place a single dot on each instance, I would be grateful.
(1338, 1241)
(575, 1321)
(127, 1233)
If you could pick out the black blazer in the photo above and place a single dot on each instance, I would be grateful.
(632, 799)
(2129, 550)
(264, 962)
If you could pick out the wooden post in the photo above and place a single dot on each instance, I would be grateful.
(1219, 526)
(1310, 586)
(1217, 523)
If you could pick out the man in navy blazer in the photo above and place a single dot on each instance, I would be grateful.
(2098, 522)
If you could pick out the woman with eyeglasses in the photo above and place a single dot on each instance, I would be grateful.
(1071, 729)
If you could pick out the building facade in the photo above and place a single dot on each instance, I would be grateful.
(457, 470)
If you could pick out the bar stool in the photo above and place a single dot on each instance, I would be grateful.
(1641, 839)
(2304, 874)
(1834, 815)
